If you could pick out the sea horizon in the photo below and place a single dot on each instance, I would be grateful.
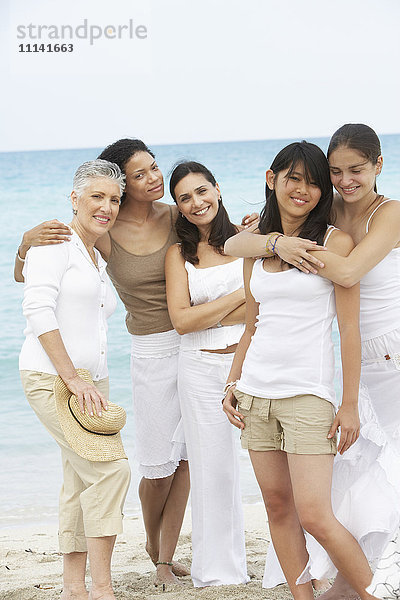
(35, 186)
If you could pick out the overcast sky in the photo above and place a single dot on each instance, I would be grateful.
(208, 70)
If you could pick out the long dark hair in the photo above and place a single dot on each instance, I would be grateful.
(188, 234)
(316, 170)
(358, 137)
(121, 151)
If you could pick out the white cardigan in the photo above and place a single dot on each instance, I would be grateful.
(65, 291)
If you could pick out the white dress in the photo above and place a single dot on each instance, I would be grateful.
(366, 479)
(218, 544)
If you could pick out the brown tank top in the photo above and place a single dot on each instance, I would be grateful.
(140, 283)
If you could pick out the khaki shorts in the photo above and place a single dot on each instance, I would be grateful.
(297, 425)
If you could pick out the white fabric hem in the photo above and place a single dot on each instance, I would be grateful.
(382, 467)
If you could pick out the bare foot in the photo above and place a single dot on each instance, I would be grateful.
(102, 593)
(340, 590)
(320, 585)
(74, 592)
(179, 569)
(165, 575)
(152, 552)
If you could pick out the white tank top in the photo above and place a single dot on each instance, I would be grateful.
(380, 294)
(291, 352)
(210, 284)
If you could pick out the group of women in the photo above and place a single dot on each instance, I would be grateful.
(186, 320)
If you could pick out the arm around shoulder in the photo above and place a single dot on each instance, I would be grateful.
(336, 269)
(382, 237)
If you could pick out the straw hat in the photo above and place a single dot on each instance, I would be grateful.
(94, 438)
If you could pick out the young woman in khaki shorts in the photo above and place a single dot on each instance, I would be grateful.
(283, 370)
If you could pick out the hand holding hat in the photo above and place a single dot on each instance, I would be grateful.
(87, 394)
(95, 438)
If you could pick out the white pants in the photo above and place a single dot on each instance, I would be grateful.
(218, 543)
(154, 369)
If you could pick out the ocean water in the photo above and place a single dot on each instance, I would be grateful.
(35, 186)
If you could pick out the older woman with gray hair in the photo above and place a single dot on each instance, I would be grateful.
(63, 366)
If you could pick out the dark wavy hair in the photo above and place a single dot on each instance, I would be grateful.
(316, 170)
(121, 151)
(188, 234)
(358, 137)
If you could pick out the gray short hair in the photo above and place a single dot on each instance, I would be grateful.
(97, 168)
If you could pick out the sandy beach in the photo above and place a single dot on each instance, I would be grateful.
(31, 566)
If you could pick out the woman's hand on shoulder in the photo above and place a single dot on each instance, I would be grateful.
(229, 404)
(48, 232)
(348, 420)
(296, 251)
(249, 222)
(88, 396)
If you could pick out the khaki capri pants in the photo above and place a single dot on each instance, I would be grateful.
(93, 492)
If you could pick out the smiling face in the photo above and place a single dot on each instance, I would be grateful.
(352, 175)
(97, 207)
(144, 180)
(296, 197)
(197, 199)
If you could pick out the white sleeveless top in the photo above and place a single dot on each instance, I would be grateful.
(380, 294)
(291, 352)
(210, 284)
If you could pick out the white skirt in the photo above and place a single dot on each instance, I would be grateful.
(386, 581)
(218, 543)
(366, 479)
(154, 368)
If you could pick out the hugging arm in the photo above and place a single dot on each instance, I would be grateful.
(47, 233)
(293, 250)
(382, 237)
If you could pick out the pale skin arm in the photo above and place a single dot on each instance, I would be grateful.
(184, 317)
(229, 403)
(86, 393)
(49, 232)
(249, 244)
(383, 236)
(348, 312)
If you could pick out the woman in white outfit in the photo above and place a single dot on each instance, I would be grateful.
(67, 301)
(366, 480)
(283, 370)
(206, 304)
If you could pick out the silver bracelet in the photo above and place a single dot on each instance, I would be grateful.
(19, 258)
(228, 386)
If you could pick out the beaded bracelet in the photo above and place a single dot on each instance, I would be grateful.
(274, 244)
(268, 250)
